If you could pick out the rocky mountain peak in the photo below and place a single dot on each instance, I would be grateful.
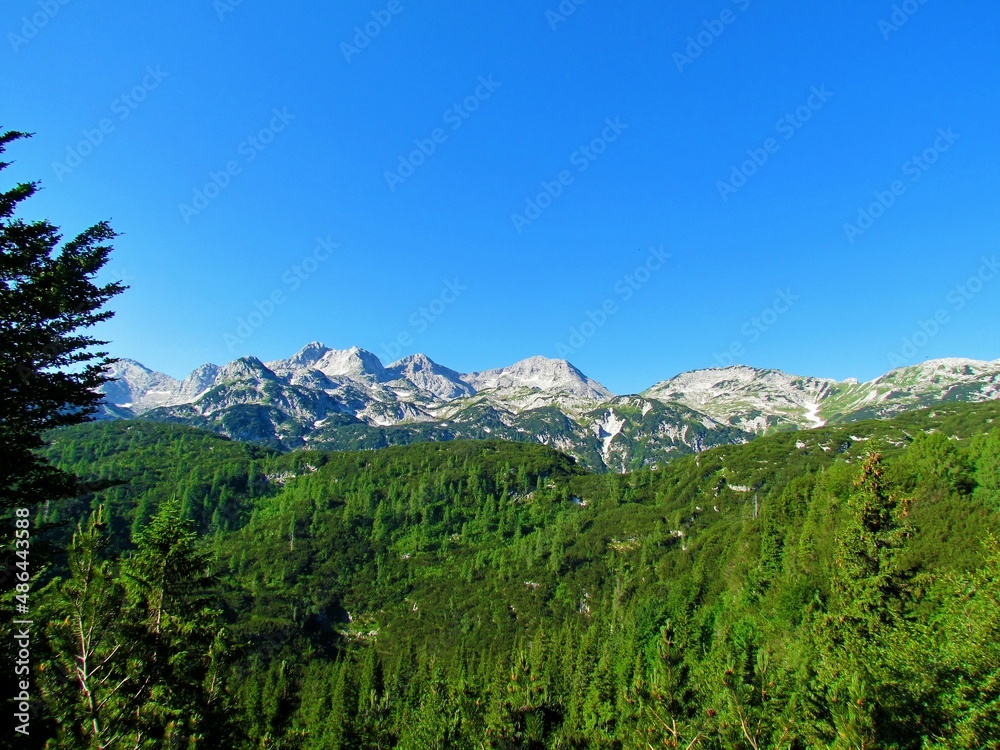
(427, 375)
(308, 355)
(245, 368)
(541, 373)
(137, 387)
(356, 363)
(198, 382)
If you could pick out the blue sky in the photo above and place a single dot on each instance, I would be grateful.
(641, 188)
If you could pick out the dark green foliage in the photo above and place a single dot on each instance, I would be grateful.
(147, 464)
(49, 370)
(801, 591)
(86, 674)
(136, 657)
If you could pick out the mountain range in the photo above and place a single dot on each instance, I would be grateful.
(347, 399)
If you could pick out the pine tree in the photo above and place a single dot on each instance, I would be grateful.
(669, 688)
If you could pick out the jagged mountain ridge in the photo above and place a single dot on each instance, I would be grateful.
(347, 399)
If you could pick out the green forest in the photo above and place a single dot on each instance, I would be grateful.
(833, 588)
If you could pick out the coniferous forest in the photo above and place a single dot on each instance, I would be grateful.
(833, 588)
(561, 375)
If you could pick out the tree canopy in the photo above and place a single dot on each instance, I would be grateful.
(806, 590)
(50, 367)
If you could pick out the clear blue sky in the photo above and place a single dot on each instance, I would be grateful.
(179, 90)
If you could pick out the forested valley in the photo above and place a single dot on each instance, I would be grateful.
(832, 588)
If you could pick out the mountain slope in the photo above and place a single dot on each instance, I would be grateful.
(755, 400)
(347, 399)
(449, 595)
(762, 400)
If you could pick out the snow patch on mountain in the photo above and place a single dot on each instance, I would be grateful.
(812, 414)
(606, 429)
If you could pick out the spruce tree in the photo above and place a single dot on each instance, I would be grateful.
(184, 645)
(867, 581)
(49, 369)
(869, 592)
